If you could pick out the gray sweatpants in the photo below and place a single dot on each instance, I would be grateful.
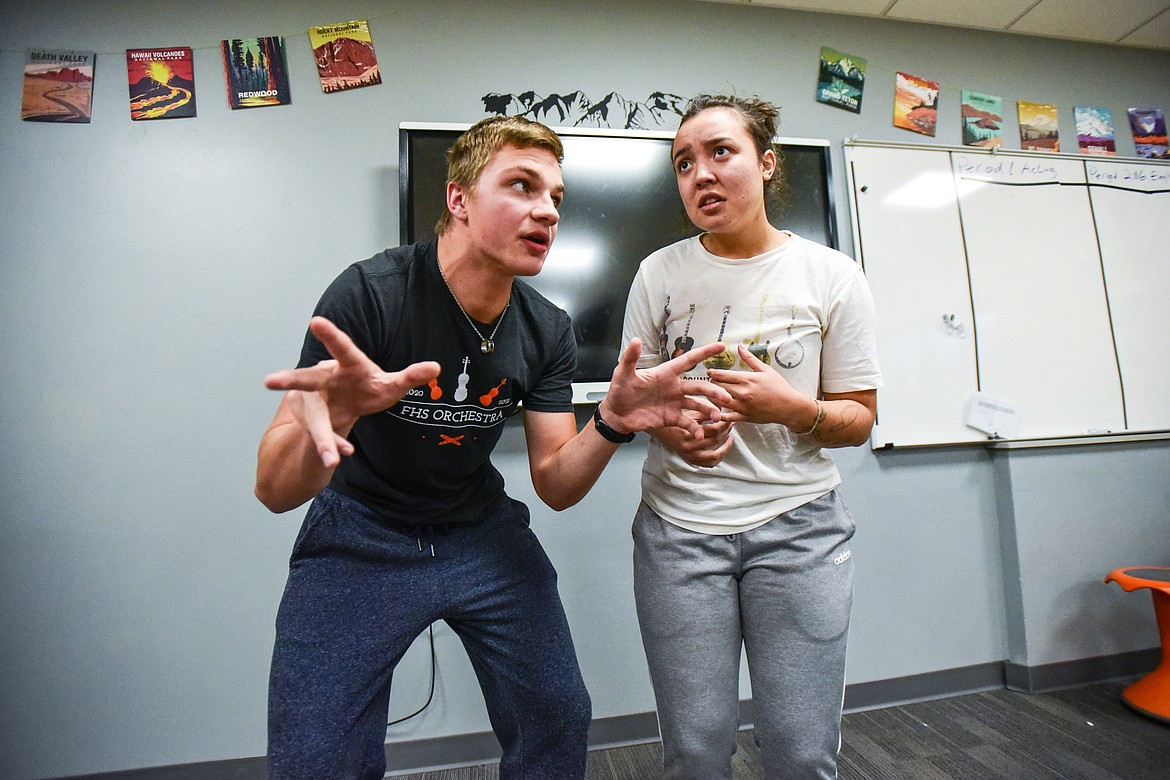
(783, 591)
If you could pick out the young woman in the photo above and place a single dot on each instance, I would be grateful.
(741, 540)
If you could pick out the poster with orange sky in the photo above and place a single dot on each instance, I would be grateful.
(162, 83)
(915, 103)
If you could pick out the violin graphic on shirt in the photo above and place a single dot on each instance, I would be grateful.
(487, 398)
(461, 390)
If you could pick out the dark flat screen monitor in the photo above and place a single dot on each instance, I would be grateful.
(621, 203)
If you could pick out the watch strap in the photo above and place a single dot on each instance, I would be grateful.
(607, 433)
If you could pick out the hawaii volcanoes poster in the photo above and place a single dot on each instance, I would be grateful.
(162, 83)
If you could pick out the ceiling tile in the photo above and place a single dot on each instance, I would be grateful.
(989, 14)
(1143, 23)
(862, 7)
(1088, 19)
(1155, 34)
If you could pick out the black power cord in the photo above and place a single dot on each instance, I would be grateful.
(431, 694)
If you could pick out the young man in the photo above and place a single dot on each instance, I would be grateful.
(413, 363)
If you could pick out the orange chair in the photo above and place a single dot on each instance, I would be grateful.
(1151, 694)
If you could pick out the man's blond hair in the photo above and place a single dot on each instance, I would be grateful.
(474, 149)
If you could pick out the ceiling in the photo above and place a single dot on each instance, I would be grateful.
(1139, 23)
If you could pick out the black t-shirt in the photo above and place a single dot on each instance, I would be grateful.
(425, 460)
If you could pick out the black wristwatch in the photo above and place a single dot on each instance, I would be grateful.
(609, 433)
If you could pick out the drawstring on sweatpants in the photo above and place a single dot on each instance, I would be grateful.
(430, 539)
(418, 532)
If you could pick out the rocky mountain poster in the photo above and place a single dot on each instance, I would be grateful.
(162, 83)
(345, 56)
(58, 86)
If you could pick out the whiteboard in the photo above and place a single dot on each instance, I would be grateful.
(1044, 339)
(1131, 205)
(924, 323)
(1038, 280)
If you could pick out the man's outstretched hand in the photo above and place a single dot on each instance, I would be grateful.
(328, 398)
(658, 397)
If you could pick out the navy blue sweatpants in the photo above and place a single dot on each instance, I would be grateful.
(358, 595)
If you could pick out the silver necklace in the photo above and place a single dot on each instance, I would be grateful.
(487, 345)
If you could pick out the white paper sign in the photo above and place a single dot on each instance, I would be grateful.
(994, 416)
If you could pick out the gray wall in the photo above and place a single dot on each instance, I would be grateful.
(151, 273)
